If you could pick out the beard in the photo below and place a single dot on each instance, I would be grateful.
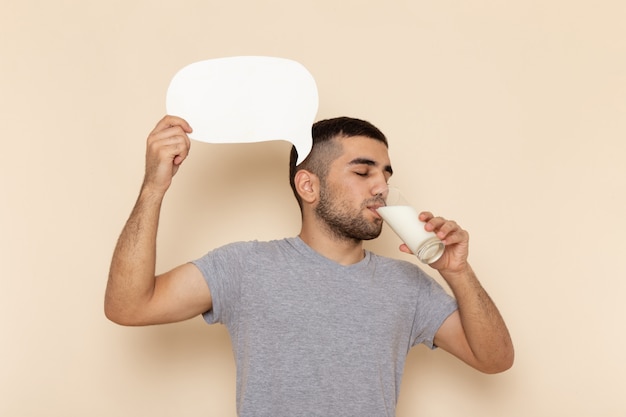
(345, 222)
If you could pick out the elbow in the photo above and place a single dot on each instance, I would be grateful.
(112, 310)
(125, 309)
(508, 358)
(118, 315)
(500, 363)
(508, 361)
(121, 319)
(497, 368)
(114, 315)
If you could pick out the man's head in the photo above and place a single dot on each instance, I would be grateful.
(344, 178)
(326, 146)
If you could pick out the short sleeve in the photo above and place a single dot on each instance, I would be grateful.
(434, 305)
(222, 271)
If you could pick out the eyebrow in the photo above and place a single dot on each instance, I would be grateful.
(369, 162)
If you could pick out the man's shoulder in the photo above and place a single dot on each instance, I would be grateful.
(259, 247)
(246, 255)
(395, 262)
(399, 267)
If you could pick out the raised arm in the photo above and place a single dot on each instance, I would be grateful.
(476, 333)
(134, 294)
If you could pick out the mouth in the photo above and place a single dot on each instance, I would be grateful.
(374, 208)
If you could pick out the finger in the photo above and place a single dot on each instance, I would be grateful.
(451, 233)
(425, 216)
(433, 223)
(168, 136)
(446, 226)
(169, 121)
(455, 239)
(404, 248)
(441, 226)
(182, 155)
(177, 147)
(174, 147)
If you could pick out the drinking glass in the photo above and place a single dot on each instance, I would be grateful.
(404, 221)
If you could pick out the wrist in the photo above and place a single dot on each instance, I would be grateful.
(463, 273)
(150, 189)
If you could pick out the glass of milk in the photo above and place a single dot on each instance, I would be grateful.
(404, 221)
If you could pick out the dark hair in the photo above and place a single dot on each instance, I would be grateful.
(325, 149)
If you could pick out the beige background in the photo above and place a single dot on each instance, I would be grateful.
(506, 116)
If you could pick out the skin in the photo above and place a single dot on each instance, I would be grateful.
(355, 186)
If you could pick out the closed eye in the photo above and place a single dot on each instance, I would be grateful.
(370, 163)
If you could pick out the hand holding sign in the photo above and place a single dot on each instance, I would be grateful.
(246, 99)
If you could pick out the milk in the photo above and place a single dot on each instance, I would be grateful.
(405, 223)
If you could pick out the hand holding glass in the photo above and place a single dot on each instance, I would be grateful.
(404, 221)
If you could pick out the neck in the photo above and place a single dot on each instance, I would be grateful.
(344, 251)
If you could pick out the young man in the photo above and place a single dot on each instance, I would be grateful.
(319, 326)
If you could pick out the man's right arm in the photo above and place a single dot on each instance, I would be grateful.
(134, 294)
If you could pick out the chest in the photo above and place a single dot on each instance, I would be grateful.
(316, 309)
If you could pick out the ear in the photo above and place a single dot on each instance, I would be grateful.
(307, 185)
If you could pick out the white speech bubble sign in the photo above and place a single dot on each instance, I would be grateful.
(246, 99)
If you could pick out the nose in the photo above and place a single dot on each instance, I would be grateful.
(381, 190)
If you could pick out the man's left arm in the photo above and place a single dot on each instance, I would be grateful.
(476, 332)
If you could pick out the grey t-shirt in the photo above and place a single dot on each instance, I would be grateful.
(315, 338)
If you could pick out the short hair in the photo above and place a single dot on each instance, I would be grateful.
(325, 149)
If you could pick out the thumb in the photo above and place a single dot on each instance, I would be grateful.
(404, 248)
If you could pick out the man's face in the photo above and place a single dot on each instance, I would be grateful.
(355, 186)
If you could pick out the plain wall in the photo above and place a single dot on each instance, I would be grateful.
(506, 116)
